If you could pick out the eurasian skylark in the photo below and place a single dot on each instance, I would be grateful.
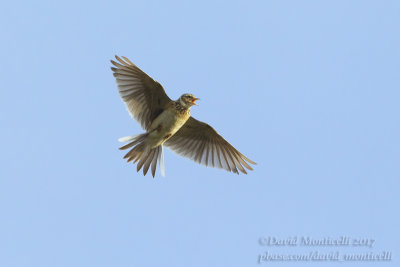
(169, 123)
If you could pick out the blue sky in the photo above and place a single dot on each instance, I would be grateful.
(307, 89)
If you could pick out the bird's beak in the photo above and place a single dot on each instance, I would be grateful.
(194, 101)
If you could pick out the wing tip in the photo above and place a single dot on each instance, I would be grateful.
(249, 160)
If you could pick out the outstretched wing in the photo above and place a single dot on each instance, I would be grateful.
(144, 97)
(200, 142)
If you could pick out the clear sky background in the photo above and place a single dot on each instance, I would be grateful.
(309, 90)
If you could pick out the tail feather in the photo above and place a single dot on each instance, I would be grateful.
(144, 155)
(154, 162)
(129, 145)
(135, 153)
(149, 160)
(161, 160)
(143, 158)
(127, 138)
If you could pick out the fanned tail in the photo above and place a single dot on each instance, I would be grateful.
(144, 155)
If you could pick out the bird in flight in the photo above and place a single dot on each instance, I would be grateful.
(168, 122)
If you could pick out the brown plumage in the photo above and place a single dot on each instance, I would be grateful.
(169, 123)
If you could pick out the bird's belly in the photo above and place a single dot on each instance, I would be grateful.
(165, 126)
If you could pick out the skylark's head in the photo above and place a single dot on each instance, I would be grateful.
(188, 100)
